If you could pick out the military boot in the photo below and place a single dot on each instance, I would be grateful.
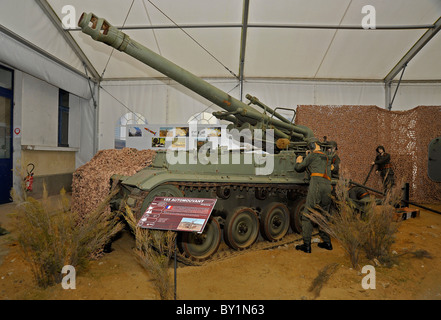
(3, 231)
(325, 245)
(305, 247)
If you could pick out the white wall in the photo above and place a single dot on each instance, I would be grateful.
(412, 95)
(39, 113)
(75, 123)
(38, 102)
(17, 123)
(159, 102)
(82, 130)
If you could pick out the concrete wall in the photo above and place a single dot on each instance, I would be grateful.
(36, 113)
(39, 113)
(54, 169)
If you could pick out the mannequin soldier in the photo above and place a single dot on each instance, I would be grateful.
(360, 198)
(319, 191)
(335, 159)
(382, 160)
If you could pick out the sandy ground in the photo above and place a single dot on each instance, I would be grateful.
(277, 274)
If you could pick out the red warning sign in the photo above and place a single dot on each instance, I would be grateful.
(177, 214)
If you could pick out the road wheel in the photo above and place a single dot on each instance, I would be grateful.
(241, 228)
(274, 222)
(295, 214)
(201, 246)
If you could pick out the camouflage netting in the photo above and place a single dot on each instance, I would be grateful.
(91, 182)
(358, 131)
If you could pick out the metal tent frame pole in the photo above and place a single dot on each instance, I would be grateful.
(243, 44)
(401, 65)
(47, 9)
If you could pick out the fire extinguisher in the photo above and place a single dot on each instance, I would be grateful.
(29, 180)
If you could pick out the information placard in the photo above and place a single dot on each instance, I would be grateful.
(177, 214)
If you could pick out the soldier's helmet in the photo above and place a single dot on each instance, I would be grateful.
(333, 144)
(311, 142)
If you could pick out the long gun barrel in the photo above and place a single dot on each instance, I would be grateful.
(99, 29)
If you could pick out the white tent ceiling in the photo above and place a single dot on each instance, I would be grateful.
(277, 43)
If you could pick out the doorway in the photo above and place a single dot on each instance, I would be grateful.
(6, 107)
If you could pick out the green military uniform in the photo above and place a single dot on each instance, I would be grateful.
(385, 168)
(359, 197)
(335, 161)
(319, 193)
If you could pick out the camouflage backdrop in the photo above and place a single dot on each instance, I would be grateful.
(358, 130)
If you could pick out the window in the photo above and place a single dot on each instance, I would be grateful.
(63, 118)
(120, 129)
(203, 118)
(5, 78)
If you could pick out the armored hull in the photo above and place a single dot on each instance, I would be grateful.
(249, 206)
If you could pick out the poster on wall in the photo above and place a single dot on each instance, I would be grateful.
(174, 137)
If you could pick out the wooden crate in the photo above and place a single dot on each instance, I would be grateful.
(406, 213)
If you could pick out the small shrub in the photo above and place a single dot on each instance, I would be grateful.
(343, 224)
(381, 227)
(154, 249)
(51, 238)
(371, 231)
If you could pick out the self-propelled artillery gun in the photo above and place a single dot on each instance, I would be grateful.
(258, 192)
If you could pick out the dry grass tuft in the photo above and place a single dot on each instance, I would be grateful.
(51, 237)
(381, 226)
(371, 231)
(154, 249)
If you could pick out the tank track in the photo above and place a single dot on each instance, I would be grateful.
(224, 252)
(227, 253)
(207, 185)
